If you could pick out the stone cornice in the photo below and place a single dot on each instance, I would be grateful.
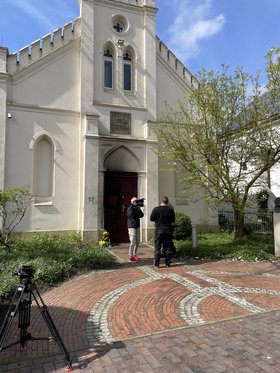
(41, 109)
(118, 106)
(120, 139)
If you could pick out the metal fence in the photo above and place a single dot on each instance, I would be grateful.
(254, 221)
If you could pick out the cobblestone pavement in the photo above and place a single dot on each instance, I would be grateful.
(192, 317)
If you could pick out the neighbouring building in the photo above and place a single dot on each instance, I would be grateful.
(77, 112)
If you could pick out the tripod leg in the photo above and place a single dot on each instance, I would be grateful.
(23, 305)
(13, 308)
(51, 326)
(24, 321)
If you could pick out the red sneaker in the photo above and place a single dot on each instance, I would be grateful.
(132, 260)
(136, 258)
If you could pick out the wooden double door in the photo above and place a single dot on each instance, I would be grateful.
(119, 188)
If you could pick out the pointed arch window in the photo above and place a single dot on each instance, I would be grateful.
(127, 71)
(43, 170)
(108, 57)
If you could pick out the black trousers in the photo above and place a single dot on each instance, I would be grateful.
(163, 238)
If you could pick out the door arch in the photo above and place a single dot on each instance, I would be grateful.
(119, 188)
(121, 167)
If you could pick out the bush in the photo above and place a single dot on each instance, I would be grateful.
(183, 226)
(13, 205)
(54, 258)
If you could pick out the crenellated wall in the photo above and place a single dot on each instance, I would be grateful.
(138, 2)
(41, 47)
(175, 64)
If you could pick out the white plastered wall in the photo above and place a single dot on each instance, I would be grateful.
(44, 100)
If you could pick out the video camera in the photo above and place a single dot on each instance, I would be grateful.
(140, 202)
(25, 273)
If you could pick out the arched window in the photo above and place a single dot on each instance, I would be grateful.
(108, 68)
(127, 71)
(43, 170)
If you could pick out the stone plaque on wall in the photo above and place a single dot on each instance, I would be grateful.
(120, 122)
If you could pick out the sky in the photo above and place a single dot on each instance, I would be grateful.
(201, 33)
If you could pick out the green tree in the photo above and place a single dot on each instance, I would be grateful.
(13, 205)
(225, 136)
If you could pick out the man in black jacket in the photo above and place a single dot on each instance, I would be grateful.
(134, 213)
(163, 216)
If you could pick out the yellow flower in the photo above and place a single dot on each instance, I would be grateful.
(105, 241)
(105, 234)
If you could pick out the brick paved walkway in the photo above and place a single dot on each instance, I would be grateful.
(192, 317)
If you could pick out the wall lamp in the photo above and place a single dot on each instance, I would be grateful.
(9, 115)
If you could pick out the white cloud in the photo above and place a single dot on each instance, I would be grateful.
(193, 24)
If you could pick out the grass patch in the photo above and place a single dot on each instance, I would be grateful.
(223, 246)
(54, 259)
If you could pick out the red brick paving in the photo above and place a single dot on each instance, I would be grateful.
(251, 281)
(195, 280)
(149, 309)
(265, 301)
(69, 305)
(249, 344)
(216, 308)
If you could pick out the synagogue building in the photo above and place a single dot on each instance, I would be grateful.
(77, 112)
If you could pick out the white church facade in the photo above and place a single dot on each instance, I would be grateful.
(77, 112)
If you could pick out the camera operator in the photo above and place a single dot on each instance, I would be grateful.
(134, 213)
(164, 217)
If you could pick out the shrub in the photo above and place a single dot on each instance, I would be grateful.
(54, 258)
(183, 226)
(13, 205)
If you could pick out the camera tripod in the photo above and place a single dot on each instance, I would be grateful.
(21, 304)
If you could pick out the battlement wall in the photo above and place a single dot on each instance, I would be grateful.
(175, 64)
(138, 2)
(41, 47)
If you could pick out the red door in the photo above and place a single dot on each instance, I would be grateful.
(120, 187)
